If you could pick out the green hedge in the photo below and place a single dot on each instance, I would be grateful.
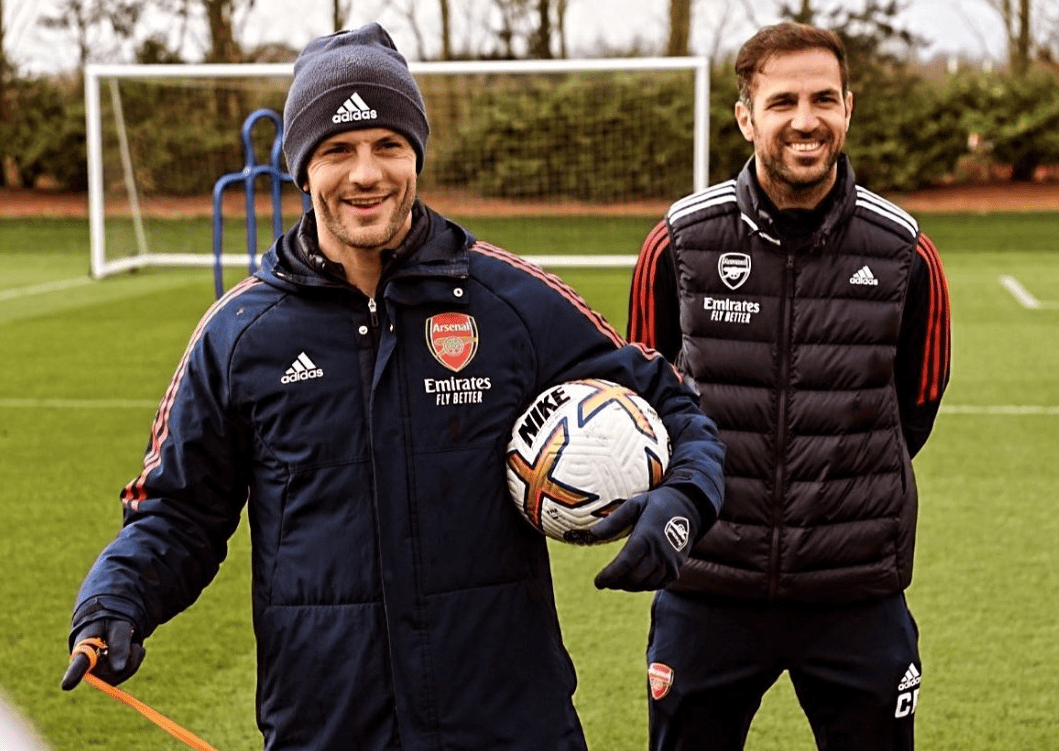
(591, 138)
(586, 138)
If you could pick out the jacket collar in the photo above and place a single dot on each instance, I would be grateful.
(435, 246)
(759, 213)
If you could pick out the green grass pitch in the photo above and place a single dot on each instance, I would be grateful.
(84, 364)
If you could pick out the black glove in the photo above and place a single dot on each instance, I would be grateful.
(118, 659)
(664, 523)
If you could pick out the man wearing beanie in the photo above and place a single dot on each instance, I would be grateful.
(356, 396)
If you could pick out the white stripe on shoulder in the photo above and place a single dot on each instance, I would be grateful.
(728, 186)
(718, 194)
(874, 202)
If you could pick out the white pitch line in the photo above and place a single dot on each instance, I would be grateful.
(1024, 297)
(40, 289)
(1000, 409)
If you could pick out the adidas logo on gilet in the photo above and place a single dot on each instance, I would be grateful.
(864, 276)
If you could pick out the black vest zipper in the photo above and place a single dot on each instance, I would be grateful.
(782, 391)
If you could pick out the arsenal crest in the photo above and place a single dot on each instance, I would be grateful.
(453, 339)
(734, 269)
(660, 678)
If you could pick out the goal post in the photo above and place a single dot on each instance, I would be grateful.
(586, 135)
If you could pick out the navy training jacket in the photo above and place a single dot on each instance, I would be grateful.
(399, 600)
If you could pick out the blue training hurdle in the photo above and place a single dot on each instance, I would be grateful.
(248, 176)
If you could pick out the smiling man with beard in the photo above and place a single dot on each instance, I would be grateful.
(796, 113)
(813, 316)
(355, 397)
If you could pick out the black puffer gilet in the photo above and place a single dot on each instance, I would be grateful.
(792, 347)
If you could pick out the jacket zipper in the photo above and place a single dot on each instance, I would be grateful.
(369, 353)
(784, 352)
(368, 378)
(373, 311)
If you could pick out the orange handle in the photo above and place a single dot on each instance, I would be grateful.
(91, 648)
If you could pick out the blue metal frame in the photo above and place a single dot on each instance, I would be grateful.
(249, 174)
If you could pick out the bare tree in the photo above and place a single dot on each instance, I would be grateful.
(804, 14)
(751, 13)
(1049, 38)
(803, 11)
(679, 28)
(223, 46)
(445, 10)
(1015, 16)
(720, 22)
(511, 13)
(714, 17)
(552, 32)
(560, 25)
(88, 18)
(77, 17)
(530, 22)
(1020, 62)
(540, 41)
(342, 13)
(446, 29)
(408, 11)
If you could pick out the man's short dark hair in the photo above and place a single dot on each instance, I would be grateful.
(781, 39)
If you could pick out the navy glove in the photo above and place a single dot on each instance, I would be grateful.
(118, 660)
(664, 523)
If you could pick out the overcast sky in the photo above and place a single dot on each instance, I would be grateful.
(969, 27)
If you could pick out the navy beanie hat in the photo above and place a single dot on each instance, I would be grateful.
(347, 81)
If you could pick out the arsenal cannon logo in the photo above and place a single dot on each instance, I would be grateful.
(452, 339)
(734, 269)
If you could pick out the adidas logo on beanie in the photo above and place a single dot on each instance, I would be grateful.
(345, 81)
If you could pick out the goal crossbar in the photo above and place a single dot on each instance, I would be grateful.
(96, 74)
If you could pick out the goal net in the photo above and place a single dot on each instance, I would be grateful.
(511, 138)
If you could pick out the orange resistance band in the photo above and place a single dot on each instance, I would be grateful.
(90, 648)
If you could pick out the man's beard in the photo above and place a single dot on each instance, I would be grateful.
(368, 238)
(799, 181)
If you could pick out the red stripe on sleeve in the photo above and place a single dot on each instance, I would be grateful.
(134, 492)
(937, 350)
(555, 283)
(642, 321)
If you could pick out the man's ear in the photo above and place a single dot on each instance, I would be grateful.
(745, 119)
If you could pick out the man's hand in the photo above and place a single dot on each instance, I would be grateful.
(664, 524)
(119, 658)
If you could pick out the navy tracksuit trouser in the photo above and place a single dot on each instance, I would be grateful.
(855, 668)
